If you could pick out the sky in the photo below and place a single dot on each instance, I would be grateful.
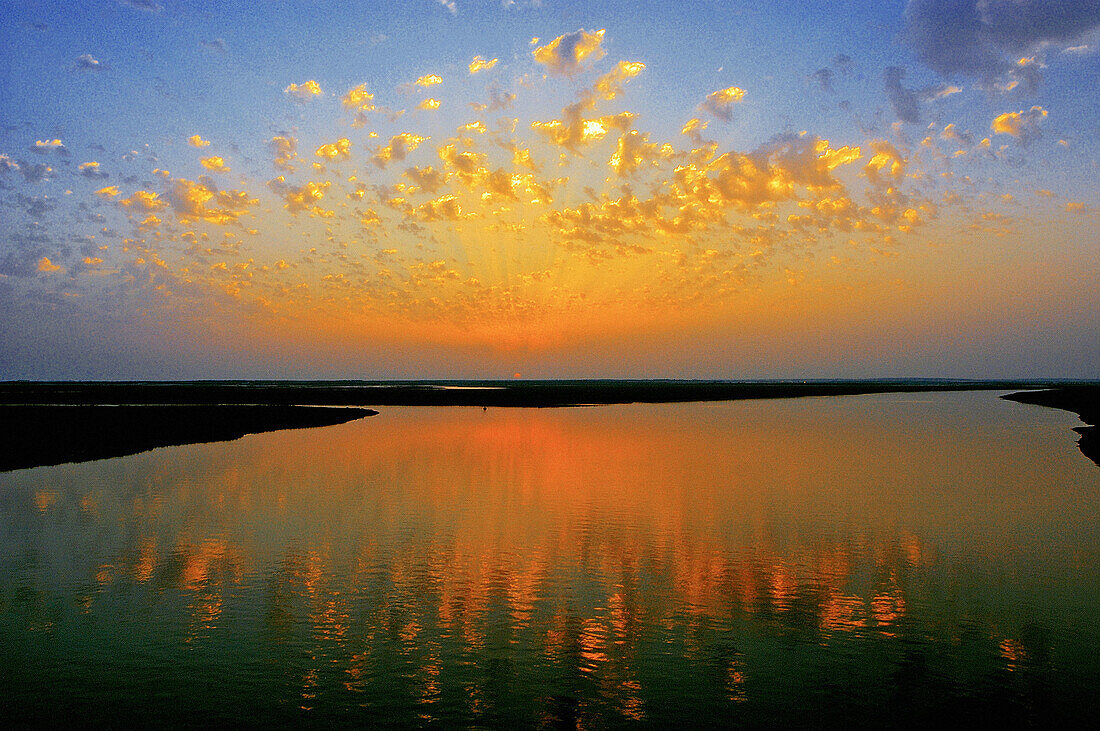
(484, 189)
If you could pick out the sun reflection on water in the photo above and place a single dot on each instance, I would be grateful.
(563, 564)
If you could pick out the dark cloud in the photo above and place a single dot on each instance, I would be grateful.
(21, 252)
(843, 63)
(824, 79)
(983, 38)
(34, 173)
(36, 208)
(92, 172)
(906, 102)
(217, 45)
(500, 99)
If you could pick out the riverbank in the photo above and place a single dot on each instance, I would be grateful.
(41, 435)
(1081, 399)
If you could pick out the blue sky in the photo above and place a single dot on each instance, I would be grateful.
(983, 115)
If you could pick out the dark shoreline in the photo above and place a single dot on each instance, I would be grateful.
(552, 393)
(38, 436)
(50, 423)
(1081, 399)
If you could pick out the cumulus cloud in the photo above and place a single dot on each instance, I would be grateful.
(201, 200)
(88, 62)
(285, 150)
(480, 64)
(360, 101)
(144, 200)
(46, 266)
(198, 141)
(305, 91)
(42, 147)
(215, 163)
(1023, 125)
(429, 80)
(338, 150)
(399, 146)
(427, 178)
(301, 199)
(982, 38)
(824, 78)
(565, 54)
(610, 85)
(720, 103)
(91, 170)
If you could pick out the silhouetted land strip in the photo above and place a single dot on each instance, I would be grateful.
(461, 393)
(1081, 399)
(46, 423)
(35, 436)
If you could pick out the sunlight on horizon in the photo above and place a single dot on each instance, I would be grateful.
(576, 196)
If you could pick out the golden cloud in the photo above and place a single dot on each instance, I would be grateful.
(565, 54)
(338, 150)
(720, 103)
(303, 198)
(215, 163)
(46, 266)
(305, 91)
(610, 85)
(480, 64)
(143, 199)
(361, 101)
(1021, 125)
(202, 201)
(285, 150)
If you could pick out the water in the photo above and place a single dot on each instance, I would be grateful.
(868, 559)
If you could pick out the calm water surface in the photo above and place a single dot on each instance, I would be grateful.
(887, 558)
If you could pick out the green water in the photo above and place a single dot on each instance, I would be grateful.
(896, 559)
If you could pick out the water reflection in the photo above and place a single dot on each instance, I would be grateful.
(865, 557)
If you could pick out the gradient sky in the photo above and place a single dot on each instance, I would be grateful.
(480, 188)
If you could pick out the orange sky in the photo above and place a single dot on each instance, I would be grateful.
(549, 199)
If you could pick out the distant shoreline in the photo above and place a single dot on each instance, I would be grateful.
(551, 393)
(57, 422)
